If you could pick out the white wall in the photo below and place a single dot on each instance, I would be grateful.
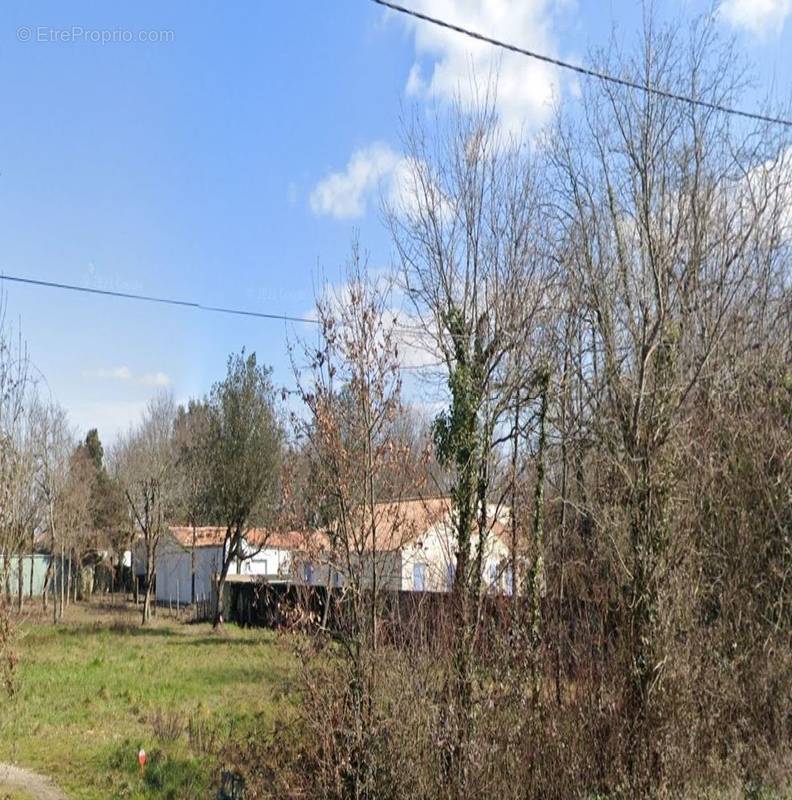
(174, 572)
(270, 561)
(311, 571)
(434, 555)
(317, 571)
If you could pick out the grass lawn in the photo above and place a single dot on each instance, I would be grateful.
(91, 691)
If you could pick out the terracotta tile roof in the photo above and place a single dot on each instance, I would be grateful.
(204, 536)
(404, 522)
(398, 524)
(213, 536)
(297, 540)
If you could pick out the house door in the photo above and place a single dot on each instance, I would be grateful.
(419, 577)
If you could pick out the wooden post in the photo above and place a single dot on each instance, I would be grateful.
(32, 563)
(20, 580)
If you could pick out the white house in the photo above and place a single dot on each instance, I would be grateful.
(414, 550)
(428, 559)
(189, 560)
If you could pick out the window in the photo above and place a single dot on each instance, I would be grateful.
(308, 572)
(450, 575)
(493, 574)
(509, 581)
(419, 577)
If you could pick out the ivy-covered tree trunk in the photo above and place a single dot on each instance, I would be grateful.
(458, 440)
(537, 576)
(647, 506)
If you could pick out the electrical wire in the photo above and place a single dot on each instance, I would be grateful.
(152, 299)
(589, 73)
(174, 302)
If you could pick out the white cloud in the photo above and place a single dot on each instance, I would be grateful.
(449, 64)
(346, 194)
(373, 172)
(154, 379)
(416, 348)
(117, 373)
(758, 17)
(126, 375)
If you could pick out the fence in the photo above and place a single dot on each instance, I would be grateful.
(30, 569)
(420, 617)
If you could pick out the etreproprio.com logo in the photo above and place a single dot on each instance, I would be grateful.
(79, 34)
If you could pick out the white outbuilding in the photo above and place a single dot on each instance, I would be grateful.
(190, 559)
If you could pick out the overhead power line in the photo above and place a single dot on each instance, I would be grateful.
(169, 301)
(151, 299)
(589, 73)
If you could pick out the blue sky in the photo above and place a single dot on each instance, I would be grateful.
(230, 160)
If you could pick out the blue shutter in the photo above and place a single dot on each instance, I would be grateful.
(419, 577)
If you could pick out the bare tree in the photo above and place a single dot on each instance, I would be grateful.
(22, 509)
(355, 436)
(144, 462)
(669, 212)
(14, 473)
(55, 444)
(471, 248)
(634, 411)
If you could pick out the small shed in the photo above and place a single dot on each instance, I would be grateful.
(190, 559)
(31, 569)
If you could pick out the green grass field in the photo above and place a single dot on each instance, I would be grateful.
(91, 691)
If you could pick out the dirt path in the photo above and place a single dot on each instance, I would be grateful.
(38, 786)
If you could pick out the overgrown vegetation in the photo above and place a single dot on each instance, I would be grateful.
(610, 311)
